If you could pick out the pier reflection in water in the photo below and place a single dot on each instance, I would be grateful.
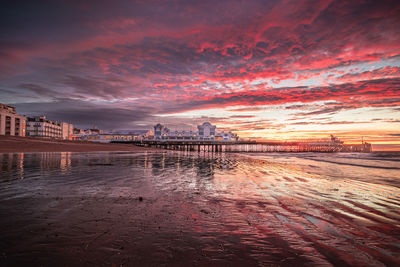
(187, 208)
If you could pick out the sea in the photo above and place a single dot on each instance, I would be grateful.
(178, 208)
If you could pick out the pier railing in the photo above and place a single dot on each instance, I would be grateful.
(253, 146)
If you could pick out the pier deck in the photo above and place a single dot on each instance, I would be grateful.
(253, 146)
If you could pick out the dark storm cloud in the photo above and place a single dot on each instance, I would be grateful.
(38, 89)
(98, 87)
(6, 91)
(86, 114)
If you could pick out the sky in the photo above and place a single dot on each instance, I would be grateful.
(264, 69)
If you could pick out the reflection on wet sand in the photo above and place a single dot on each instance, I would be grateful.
(13, 163)
(185, 208)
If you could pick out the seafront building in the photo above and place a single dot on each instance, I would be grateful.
(67, 131)
(10, 122)
(93, 131)
(44, 128)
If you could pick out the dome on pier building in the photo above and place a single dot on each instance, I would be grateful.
(159, 131)
(207, 131)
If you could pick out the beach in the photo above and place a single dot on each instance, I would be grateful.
(179, 208)
(10, 144)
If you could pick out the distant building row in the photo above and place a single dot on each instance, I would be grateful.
(18, 125)
(136, 135)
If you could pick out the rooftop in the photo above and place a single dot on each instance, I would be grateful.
(7, 108)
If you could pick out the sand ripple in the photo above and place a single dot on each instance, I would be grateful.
(183, 208)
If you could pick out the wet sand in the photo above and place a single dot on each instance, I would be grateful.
(10, 144)
(191, 209)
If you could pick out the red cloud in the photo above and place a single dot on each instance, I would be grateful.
(384, 92)
(384, 72)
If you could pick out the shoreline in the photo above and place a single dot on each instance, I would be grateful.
(16, 144)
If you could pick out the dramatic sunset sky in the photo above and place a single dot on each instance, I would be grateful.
(265, 69)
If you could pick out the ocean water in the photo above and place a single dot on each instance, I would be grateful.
(196, 209)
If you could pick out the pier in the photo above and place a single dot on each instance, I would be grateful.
(254, 146)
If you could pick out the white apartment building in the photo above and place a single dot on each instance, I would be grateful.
(10, 122)
(44, 128)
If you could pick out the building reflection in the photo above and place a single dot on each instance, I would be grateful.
(65, 161)
(12, 165)
(11, 162)
(182, 163)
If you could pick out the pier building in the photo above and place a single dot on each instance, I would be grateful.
(205, 132)
(160, 133)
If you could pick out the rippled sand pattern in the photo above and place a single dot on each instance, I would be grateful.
(183, 209)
